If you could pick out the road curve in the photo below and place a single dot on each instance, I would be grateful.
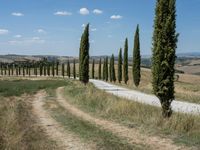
(177, 106)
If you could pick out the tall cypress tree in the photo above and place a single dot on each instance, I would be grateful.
(120, 66)
(99, 69)
(68, 69)
(113, 76)
(110, 70)
(164, 48)
(74, 69)
(23, 70)
(93, 67)
(63, 70)
(125, 66)
(84, 56)
(106, 69)
(136, 58)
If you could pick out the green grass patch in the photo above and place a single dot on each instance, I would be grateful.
(19, 87)
(182, 128)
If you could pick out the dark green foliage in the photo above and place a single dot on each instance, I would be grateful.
(74, 69)
(63, 70)
(99, 69)
(136, 58)
(120, 66)
(41, 70)
(23, 71)
(112, 69)
(84, 56)
(106, 69)
(68, 69)
(45, 70)
(125, 66)
(53, 69)
(93, 67)
(57, 67)
(164, 48)
(48, 69)
(29, 71)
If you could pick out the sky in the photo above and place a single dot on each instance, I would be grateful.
(54, 27)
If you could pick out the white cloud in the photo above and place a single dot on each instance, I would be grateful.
(84, 11)
(18, 36)
(83, 25)
(97, 11)
(27, 41)
(115, 17)
(17, 14)
(93, 29)
(62, 13)
(3, 31)
(41, 31)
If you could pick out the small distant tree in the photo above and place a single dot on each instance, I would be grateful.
(12, 68)
(136, 58)
(41, 70)
(100, 69)
(110, 69)
(8, 70)
(36, 70)
(19, 70)
(45, 70)
(74, 69)
(63, 70)
(16, 70)
(126, 78)
(23, 70)
(120, 66)
(68, 69)
(93, 67)
(57, 68)
(48, 69)
(53, 69)
(29, 71)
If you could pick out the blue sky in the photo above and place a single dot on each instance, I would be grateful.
(54, 27)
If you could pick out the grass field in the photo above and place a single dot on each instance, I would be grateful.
(181, 128)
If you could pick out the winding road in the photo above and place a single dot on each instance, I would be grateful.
(177, 106)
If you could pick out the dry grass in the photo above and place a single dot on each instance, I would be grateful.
(181, 128)
(18, 129)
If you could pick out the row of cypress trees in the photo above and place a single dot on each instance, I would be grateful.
(46, 69)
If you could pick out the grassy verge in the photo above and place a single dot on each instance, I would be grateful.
(181, 128)
(85, 130)
(19, 87)
(18, 129)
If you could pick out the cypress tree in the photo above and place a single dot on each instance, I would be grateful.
(74, 69)
(53, 69)
(120, 66)
(16, 69)
(12, 67)
(19, 70)
(48, 69)
(112, 69)
(63, 70)
(68, 69)
(45, 70)
(8, 70)
(136, 58)
(84, 56)
(36, 71)
(93, 67)
(164, 48)
(23, 70)
(100, 69)
(125, 69)
(106, 69)
(29, 71)
(57, 67)
(41, 68)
